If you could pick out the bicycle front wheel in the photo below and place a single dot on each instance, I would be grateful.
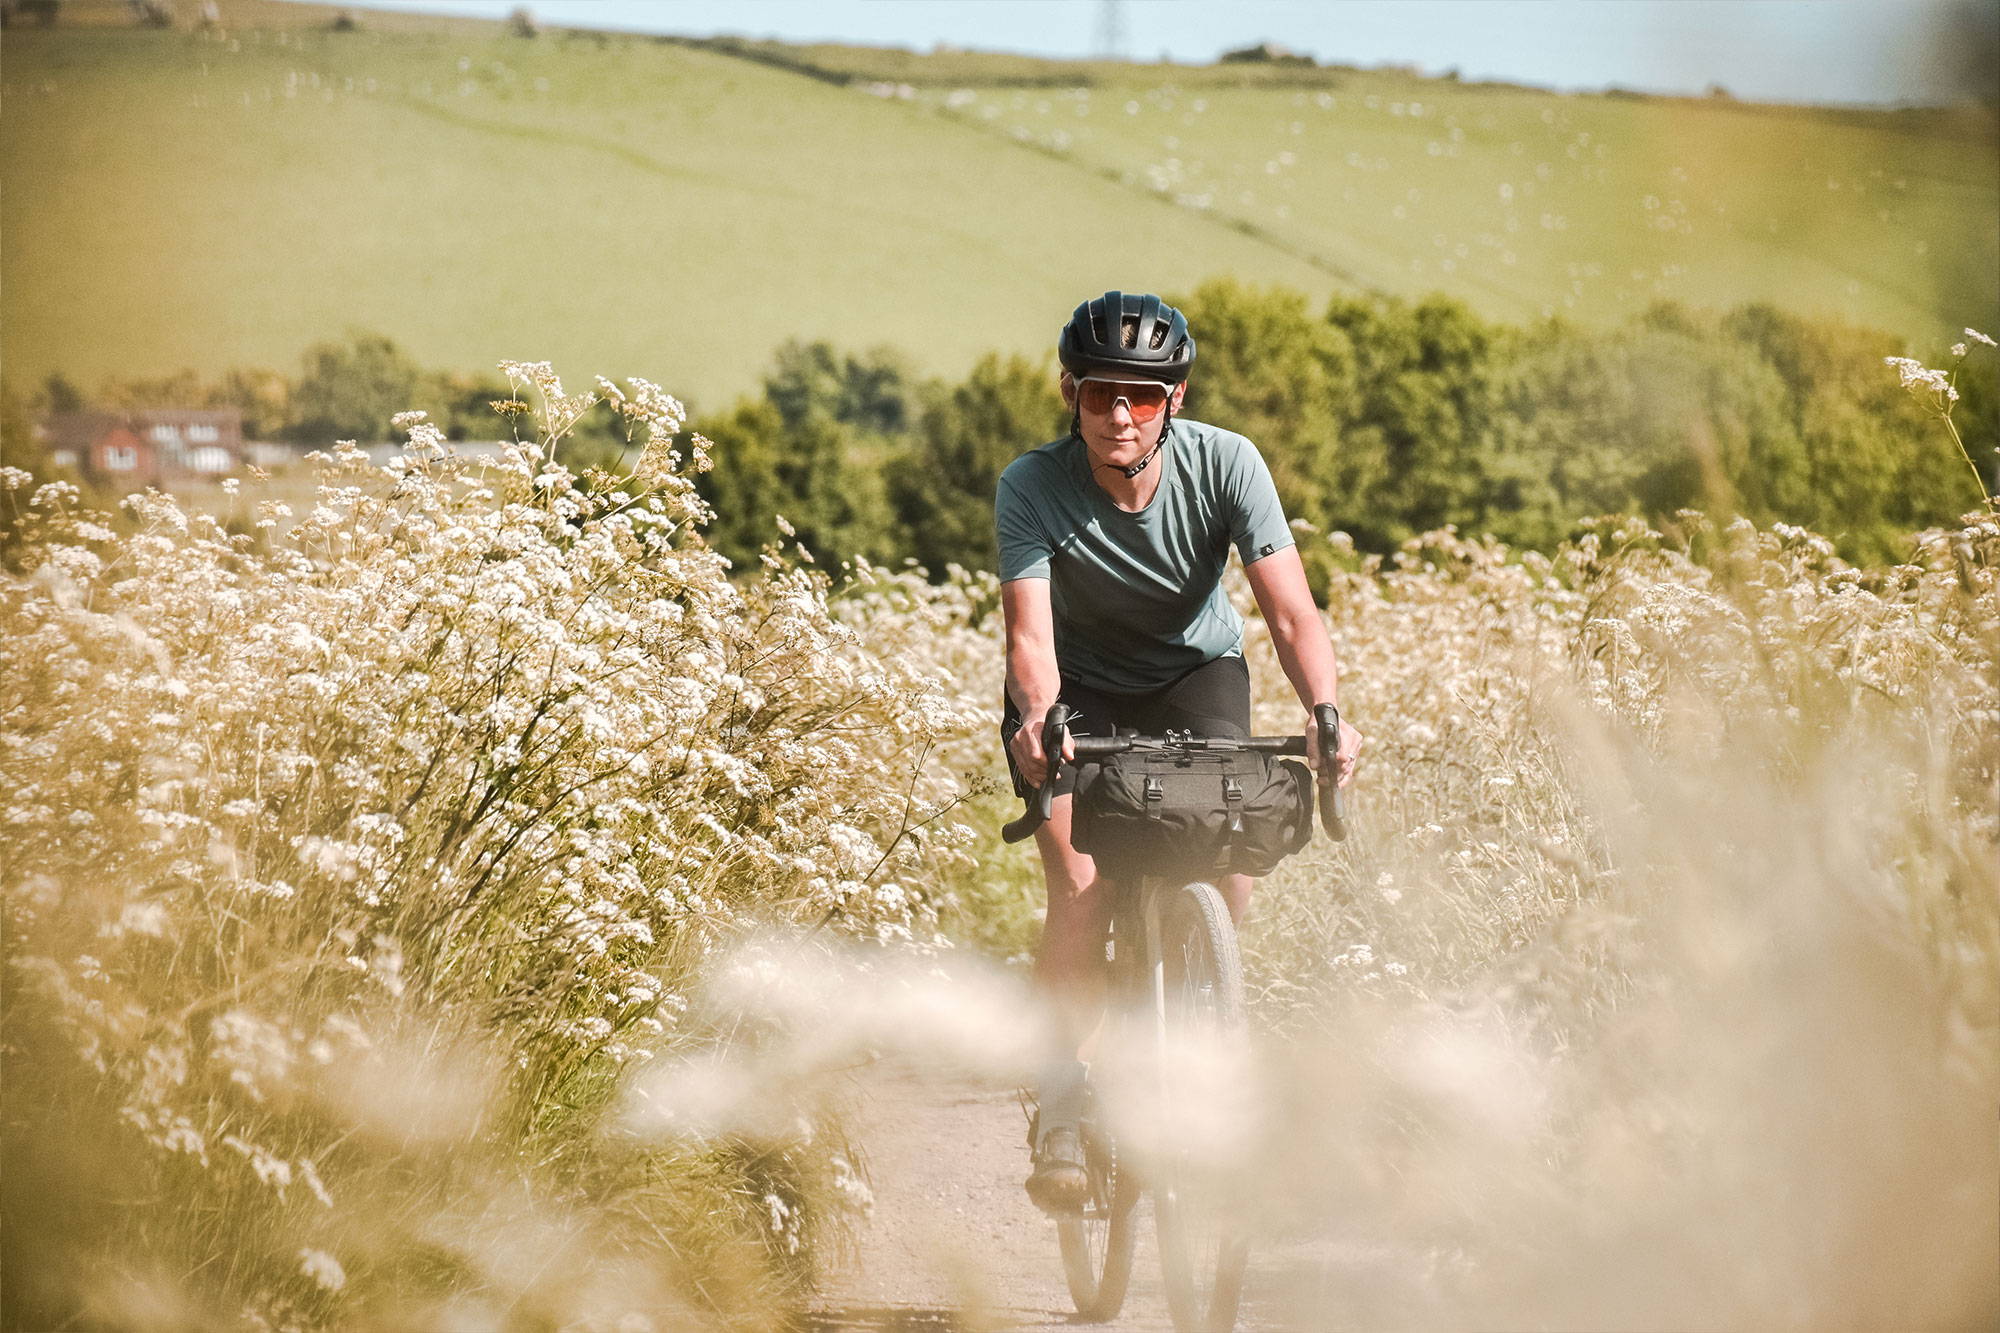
(1198, 998)
(1097, 1241)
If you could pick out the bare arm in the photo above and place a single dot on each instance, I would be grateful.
(1304, 650)
(1033, 679)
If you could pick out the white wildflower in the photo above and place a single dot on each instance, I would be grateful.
(1979, 337)
(310, 1174)
(1921, 379)
(146, 918)
(324, 1270)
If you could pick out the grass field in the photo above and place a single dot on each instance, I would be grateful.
(622, 203)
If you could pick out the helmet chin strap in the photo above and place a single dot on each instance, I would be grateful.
(1166, 424)
(1136, 468)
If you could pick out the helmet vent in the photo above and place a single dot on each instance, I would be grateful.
(1121, 334)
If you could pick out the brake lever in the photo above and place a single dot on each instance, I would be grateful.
(1042, 801)
(1055, 729)
(1332, 805)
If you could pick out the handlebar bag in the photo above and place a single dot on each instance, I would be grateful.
(1194, 814)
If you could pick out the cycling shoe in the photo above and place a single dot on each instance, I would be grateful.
(1059, 1182)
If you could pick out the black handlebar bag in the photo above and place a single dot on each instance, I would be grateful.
(1194, 814)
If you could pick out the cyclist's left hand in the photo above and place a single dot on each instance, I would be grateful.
(1346, 761)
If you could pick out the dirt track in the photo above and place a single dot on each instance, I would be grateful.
(954, 1242)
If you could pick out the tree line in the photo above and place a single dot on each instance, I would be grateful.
(1379, 417)
(1384, 419)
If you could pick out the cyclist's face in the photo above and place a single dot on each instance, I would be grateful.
(1121, 416)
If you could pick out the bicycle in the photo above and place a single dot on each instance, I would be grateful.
(1175, 987)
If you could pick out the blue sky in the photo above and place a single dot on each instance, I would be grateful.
(1778, 50)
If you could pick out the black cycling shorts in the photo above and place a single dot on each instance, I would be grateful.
(1211, 700)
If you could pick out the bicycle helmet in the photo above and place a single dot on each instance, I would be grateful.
(1138, 337)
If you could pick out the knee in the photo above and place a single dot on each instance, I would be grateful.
(1075, 902)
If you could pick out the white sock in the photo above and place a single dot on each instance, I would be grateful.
(1060, 1092)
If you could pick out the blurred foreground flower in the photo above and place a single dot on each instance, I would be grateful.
(350, 866)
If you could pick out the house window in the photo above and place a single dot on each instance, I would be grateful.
(209, 458)
(199, 434)
(164, 434)
(120, 458)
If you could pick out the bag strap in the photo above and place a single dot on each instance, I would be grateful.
(1232, 798)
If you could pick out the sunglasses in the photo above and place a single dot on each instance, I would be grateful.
(1144, 399)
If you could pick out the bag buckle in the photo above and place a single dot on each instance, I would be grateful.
(1232, 795)
(1156, 796)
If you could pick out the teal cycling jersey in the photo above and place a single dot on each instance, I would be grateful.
(1137, 596)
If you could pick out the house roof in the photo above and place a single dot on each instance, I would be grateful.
(78, 430)
(188, 416)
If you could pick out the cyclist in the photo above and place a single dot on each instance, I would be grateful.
(1112, 545)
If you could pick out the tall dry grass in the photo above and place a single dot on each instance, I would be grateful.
(353, 865)
(389, 905)
(1661, 987)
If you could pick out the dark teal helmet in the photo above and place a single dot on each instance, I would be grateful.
(1122, 335)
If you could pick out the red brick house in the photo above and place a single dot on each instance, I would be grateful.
(147, 447)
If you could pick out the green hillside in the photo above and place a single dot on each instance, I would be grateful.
(636, 205)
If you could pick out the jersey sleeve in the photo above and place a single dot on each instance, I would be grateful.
(1257, 525)
(1024, 546)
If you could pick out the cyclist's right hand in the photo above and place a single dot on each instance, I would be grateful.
(1029, 756)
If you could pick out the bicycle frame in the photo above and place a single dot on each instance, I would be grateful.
(1203, 1287)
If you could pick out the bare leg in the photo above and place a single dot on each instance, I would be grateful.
(1069, 971)
(1235, 891)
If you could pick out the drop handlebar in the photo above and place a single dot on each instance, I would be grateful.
(1084, 749)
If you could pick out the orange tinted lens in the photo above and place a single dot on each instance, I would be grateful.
(1142, 398)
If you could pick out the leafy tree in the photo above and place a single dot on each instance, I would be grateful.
(871, 392)
(1874, 467)
(1979, 411)
(765, 468)
(263, 396)
(18, 446)
(1423, 420)
(350, 390)
(941, 490)
(464, 407)
(18, 449)
(182, 388)
(60, 395)
(1652, 418)
(44, 12)
(1267, 369)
